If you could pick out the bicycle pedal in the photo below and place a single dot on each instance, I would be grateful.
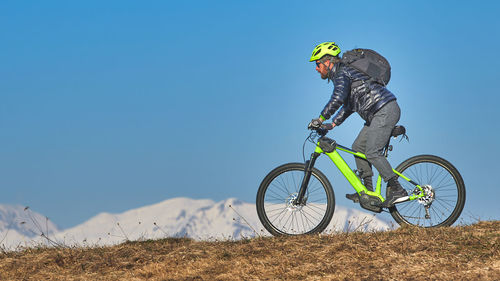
(354, 197)
(386, 203)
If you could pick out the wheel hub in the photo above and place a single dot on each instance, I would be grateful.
(429, 196)
(290, 203)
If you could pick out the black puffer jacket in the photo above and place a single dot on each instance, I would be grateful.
(354, 93)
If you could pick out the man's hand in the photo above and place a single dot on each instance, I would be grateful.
(327, 126)
(315, 123)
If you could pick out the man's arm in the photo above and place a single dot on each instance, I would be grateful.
(341, 115)
(341, 90)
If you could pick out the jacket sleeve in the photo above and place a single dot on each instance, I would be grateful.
(341, 115)
(341, 91)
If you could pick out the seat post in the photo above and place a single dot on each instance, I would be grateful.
(387, 148)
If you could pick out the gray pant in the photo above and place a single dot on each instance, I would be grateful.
(372, 139)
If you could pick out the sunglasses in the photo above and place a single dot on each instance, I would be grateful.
(318, 63)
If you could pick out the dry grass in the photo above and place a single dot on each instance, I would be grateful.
(455, 253)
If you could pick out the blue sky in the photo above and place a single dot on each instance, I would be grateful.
(111, 105)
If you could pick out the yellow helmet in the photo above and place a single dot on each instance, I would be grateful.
(327, 48)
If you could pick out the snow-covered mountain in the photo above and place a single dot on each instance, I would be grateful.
(19, 226)
(180, 217)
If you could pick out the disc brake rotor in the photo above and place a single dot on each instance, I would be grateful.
(429, 196)
(290, 203)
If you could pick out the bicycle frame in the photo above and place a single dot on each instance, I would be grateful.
(348, 173)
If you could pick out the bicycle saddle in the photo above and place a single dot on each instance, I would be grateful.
(398, 131)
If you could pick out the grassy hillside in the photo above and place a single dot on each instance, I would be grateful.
(408, 253)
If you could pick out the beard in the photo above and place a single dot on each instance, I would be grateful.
(324, 76)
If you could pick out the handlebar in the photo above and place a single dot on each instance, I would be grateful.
(313, 137)
(320, 131)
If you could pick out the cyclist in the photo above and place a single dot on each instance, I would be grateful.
(355, 92)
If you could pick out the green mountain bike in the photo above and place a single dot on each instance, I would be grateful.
(297, 198)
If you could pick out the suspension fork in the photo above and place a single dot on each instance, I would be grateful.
(305, 181)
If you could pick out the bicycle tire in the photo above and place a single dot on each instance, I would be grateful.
(448, 192)
(283, 183)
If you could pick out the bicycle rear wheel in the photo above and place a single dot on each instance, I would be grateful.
(444, 188)
(275, 201)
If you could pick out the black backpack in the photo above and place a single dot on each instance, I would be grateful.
(370, 63)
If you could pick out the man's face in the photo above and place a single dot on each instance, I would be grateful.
(323, 68)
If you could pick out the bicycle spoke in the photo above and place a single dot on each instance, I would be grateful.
(310, 218)
(317, 201)
(279, 217)
(295, 184)
(281, 188)
(279, 199)
(437, 213)
(277, 209)
(431, 179)
(417, 209)
(444, 178)
(443, 204)
(314, 211)
(307, 221)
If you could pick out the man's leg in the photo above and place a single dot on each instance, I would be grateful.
(359, 145)
(378, 133)
(364, 167)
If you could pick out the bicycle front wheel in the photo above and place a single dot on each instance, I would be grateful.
(276, 206)
(444, 191)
